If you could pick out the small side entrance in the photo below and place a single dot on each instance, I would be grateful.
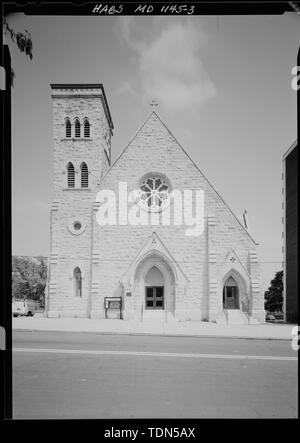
(230, 294)
(230, 297)
(154, 298)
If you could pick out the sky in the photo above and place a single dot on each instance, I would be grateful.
(223, 87)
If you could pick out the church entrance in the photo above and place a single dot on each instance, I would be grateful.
(154, 291)
(230, 294)
(154, 297)
(153, 294)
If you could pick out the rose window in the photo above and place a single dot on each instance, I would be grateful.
(154, 193)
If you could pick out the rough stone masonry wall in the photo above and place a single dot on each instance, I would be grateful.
(155, 150)
(69, 250)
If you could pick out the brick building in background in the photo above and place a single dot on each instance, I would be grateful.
(158, 270)
(290, 234)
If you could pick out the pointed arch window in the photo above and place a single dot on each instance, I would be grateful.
(84, 175)
(68, 128)
(86, 128)
(77, 282)
(77, 128)
(71, 175)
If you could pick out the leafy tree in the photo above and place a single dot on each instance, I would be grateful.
(274, 295)
(22, 39)
(20, 288)
(41, 279)
(29, 276)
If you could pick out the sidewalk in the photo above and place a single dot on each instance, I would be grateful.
(192, 328)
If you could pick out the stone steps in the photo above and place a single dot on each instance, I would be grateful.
(158, 316)
(235, 317)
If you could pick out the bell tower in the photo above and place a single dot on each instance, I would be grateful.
(82, 131)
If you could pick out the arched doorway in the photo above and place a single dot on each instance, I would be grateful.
(231, 294)
(154, 289)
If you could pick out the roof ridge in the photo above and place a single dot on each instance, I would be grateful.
(124, 149)
(290, 149)
(195, 164)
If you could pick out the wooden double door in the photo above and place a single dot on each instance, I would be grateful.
(154, 297)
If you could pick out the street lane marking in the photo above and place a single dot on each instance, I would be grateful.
(155, 354)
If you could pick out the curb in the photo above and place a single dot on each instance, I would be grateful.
(154, 334)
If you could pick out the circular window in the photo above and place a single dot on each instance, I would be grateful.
(77, 226)
(154, 192)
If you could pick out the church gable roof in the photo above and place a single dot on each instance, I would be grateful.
(151, 123)
(154, 129)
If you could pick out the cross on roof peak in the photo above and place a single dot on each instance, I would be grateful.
(153, 104)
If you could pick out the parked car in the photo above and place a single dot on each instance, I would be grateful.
(23, 307)
(278, 315)
(270, 317)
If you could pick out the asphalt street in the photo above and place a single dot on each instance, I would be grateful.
(90, 375)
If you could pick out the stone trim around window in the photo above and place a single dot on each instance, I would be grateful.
(74, 227)
(77, 139)
(76, 189)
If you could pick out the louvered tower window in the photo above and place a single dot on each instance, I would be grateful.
(84, 176)
(71, 175)
(86, 126)
(77, 128)
(68, 128)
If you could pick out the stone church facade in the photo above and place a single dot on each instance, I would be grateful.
(158, 270)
